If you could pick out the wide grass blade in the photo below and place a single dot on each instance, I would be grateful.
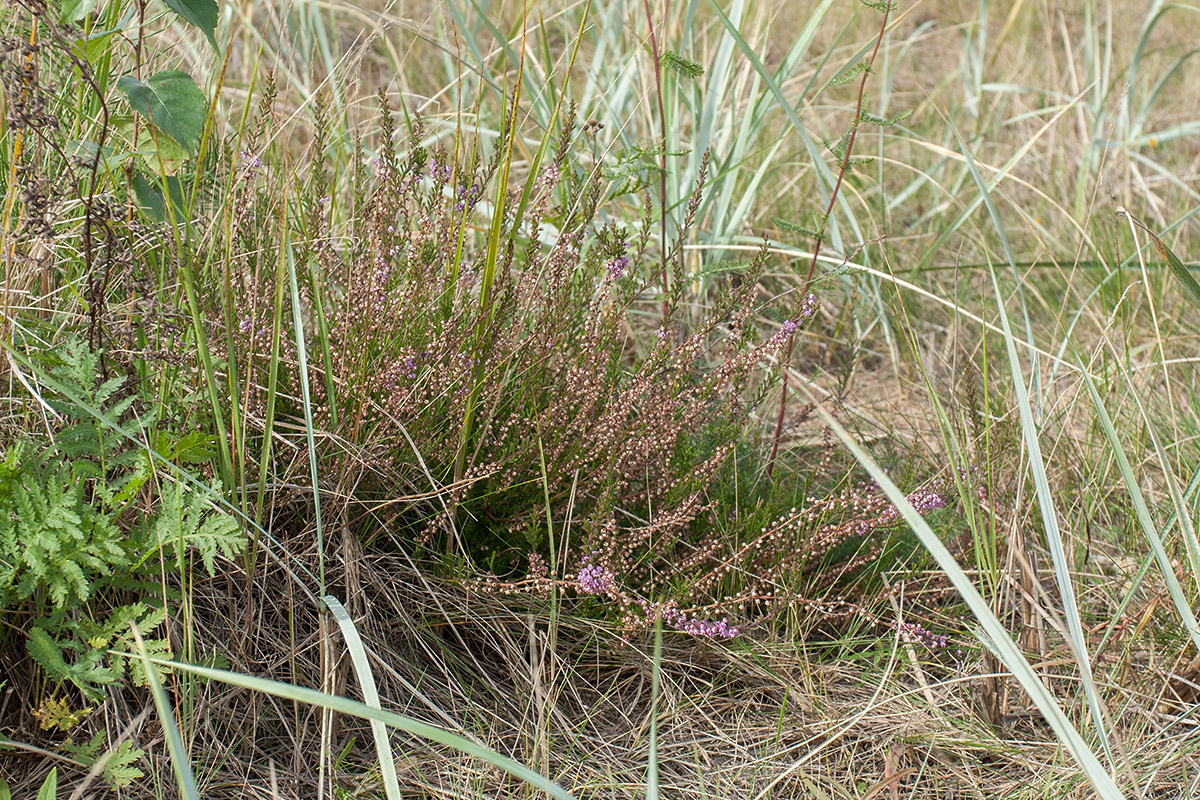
(1177, 267)
(1149, 530)
(1037, 469)
(301, 694)
(991, 631)
(306, 394)
(366, 680)
(652, 792)
(179, 760)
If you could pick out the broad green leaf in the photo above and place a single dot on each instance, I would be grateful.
(86, 152)
(162, 157)
(150, 196)
(1178, 267)
(49, 790)
(75, 10)
(161, 154)
(201, 13)
(173, 103)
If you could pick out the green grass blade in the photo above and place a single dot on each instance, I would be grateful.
(991, 632)
(179, 761)
(824, 176)
(1177, 267)
(1143, 515)
(366, 680)
(301, 694)
(306, 394)
(652, 792)
(1037, 469)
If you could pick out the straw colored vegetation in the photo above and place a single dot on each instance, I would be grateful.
(719, 399)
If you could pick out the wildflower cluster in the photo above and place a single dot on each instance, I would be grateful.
(914, 632)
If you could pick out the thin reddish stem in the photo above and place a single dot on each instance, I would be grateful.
(662, 156)
(812, 265)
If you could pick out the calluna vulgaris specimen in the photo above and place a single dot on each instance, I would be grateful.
(621, 429)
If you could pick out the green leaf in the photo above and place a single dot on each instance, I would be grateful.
(49, 790)
(47, 654)
(1178, 267)
(681, 66)
(87, 153)
(185, 520)
(120, 765)
(161, 154)
(75, 10)
(196, 448)
(150, 196)
(201, 13)
(173, 103)
(849, 73)
(121, 769)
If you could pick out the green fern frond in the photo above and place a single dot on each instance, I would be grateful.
(187, 520)
(119, 770)
(884, 122)
(48, 655)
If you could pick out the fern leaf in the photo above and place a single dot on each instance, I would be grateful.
(46, 652)
(120, 770)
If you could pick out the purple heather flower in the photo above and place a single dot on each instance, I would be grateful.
(808, 307)
(915, 632)
(468, 196)
(440, 172)
(616, 267)
(926, 500)
(251, 163)
(595, 579)
(549, 177)
(694, 626)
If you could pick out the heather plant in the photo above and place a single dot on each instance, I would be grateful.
(563, 431)
(547, 366)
